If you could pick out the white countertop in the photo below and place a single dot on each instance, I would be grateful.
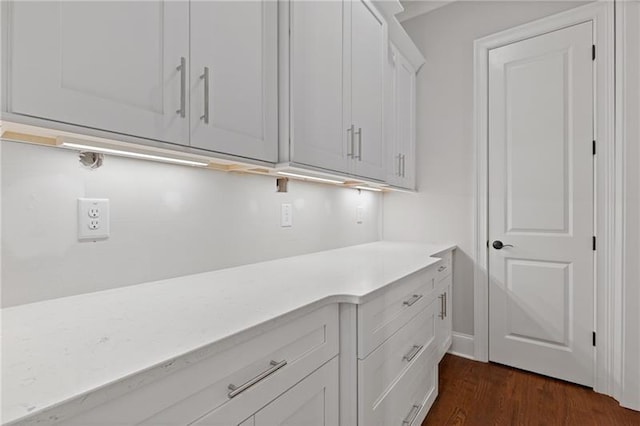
(58, 353)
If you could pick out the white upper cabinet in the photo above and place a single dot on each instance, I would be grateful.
(318, 127)
(367, 88)
(234, 77)
(117, 66)
(336, 82)
(401, 130)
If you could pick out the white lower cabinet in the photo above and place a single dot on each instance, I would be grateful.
(402, 336)
(374, 364)
(230, 386)
(397, 374)
(444, 324)
(312, 402)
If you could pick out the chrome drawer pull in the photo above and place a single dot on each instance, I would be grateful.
(442, 305)
(237, 390)
(415, 410)
(183, 86)
(445, 304)
(350, 147)
(413, 300)
(412, 353)
(205, 77)
(442, 268)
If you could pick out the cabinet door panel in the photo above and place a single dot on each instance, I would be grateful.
(237, 42)
(312, 402)
(444, 327)
(106, 65)
(405, 98)
(367, 89)
(318, 132)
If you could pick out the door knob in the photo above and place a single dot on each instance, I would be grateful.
(497, 244)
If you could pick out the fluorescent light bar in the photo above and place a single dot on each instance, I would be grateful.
(295, 175)
(134, 154)
(368, 188)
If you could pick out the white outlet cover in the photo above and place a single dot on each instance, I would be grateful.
(359, 214)
(93, 219)
(286, 216)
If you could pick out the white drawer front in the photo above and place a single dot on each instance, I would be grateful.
(297, 347)
(383, 316)
(407, 402)
(445, 266)
(385, 365)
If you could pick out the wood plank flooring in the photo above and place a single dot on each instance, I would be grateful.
(473, 393)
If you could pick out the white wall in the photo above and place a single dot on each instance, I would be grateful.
(166, 221)
(443, 208)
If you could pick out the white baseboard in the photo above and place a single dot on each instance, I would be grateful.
(462, 345)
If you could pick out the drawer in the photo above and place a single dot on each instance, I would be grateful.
(381, 317)
(409, 399)
(247, 375)
(385, 365)
(445, 266)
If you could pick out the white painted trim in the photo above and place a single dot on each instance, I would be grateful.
(601, 13)
(417, 8)
(462, 345)
(626, 387)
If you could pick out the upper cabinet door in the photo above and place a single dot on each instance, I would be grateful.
(234, 77)
(107, 65)
(405, 121)
(318, 110)
(367, 88)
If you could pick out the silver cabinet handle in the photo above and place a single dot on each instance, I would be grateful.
(442, 308)
(412, 300)
(399, 172)
(442, 268)
(350, 147)
(183, 86)
(445, 304)
(205, 77)
(237, 390)
(403, 166)
(359, 133)
(412, 415)
(412, 353)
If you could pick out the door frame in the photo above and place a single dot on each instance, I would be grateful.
(607, 320)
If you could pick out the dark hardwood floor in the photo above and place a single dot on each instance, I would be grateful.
(474, 393)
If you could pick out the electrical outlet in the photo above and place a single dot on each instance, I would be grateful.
(93, 219)
(286, 216)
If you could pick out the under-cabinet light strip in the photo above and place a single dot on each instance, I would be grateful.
(295, 175)
(134, 154)
(368, 188)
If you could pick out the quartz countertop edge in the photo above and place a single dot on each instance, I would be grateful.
(124, 338)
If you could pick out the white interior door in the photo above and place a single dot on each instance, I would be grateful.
(234, 77)
(102, 64)
(541, 199)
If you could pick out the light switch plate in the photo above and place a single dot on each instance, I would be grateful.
(93, 219)
(286, 216)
